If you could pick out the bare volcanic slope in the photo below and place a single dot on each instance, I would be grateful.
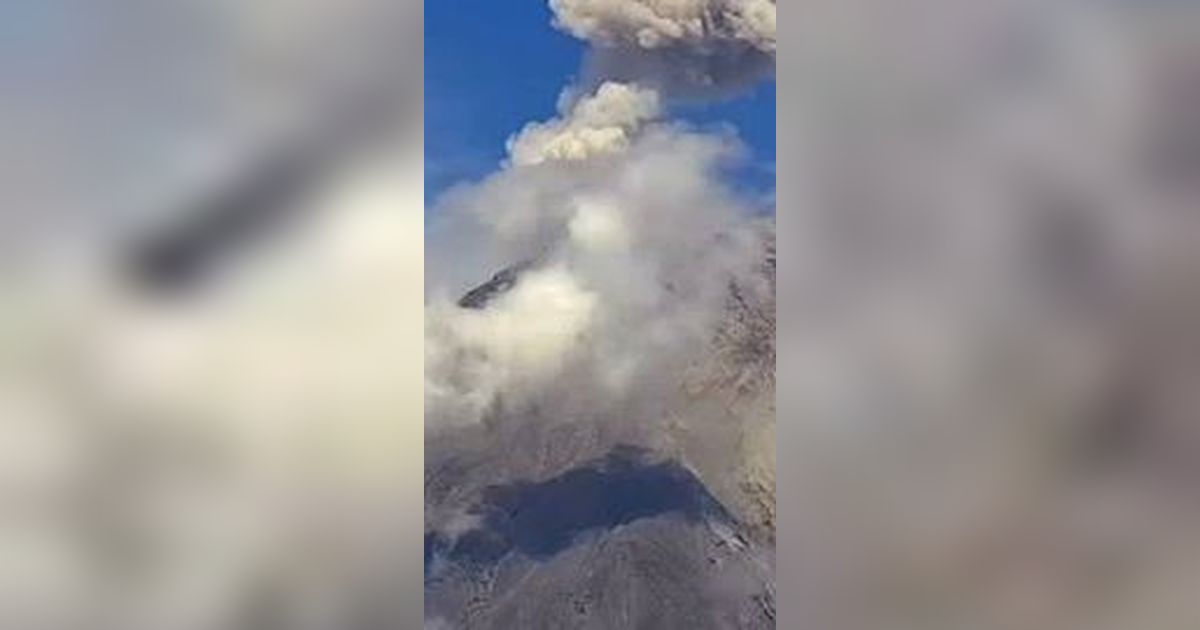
(663, 522)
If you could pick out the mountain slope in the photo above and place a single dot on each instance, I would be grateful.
(644, 522)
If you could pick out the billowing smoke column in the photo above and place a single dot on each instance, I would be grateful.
(626, 237)
(634, 242)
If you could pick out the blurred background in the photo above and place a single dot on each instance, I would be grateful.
(988, 302)
(210, 281)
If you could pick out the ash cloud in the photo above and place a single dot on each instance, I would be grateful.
(650, 24)
(634, 241)
(689, 49)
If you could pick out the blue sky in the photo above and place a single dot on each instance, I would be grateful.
(491, 66)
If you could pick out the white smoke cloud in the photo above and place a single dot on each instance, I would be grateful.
(521, 341)
(598, 226)
(597, 124)
(632, 251)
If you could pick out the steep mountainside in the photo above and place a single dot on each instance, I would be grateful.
(664, 522)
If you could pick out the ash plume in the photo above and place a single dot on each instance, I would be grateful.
(690, 48)
(634, 235)
(635, 241)
(597, 124)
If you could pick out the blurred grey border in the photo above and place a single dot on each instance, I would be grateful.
(1060, 478)
(168, 167)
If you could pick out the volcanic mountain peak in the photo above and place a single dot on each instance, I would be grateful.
(541, 522)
